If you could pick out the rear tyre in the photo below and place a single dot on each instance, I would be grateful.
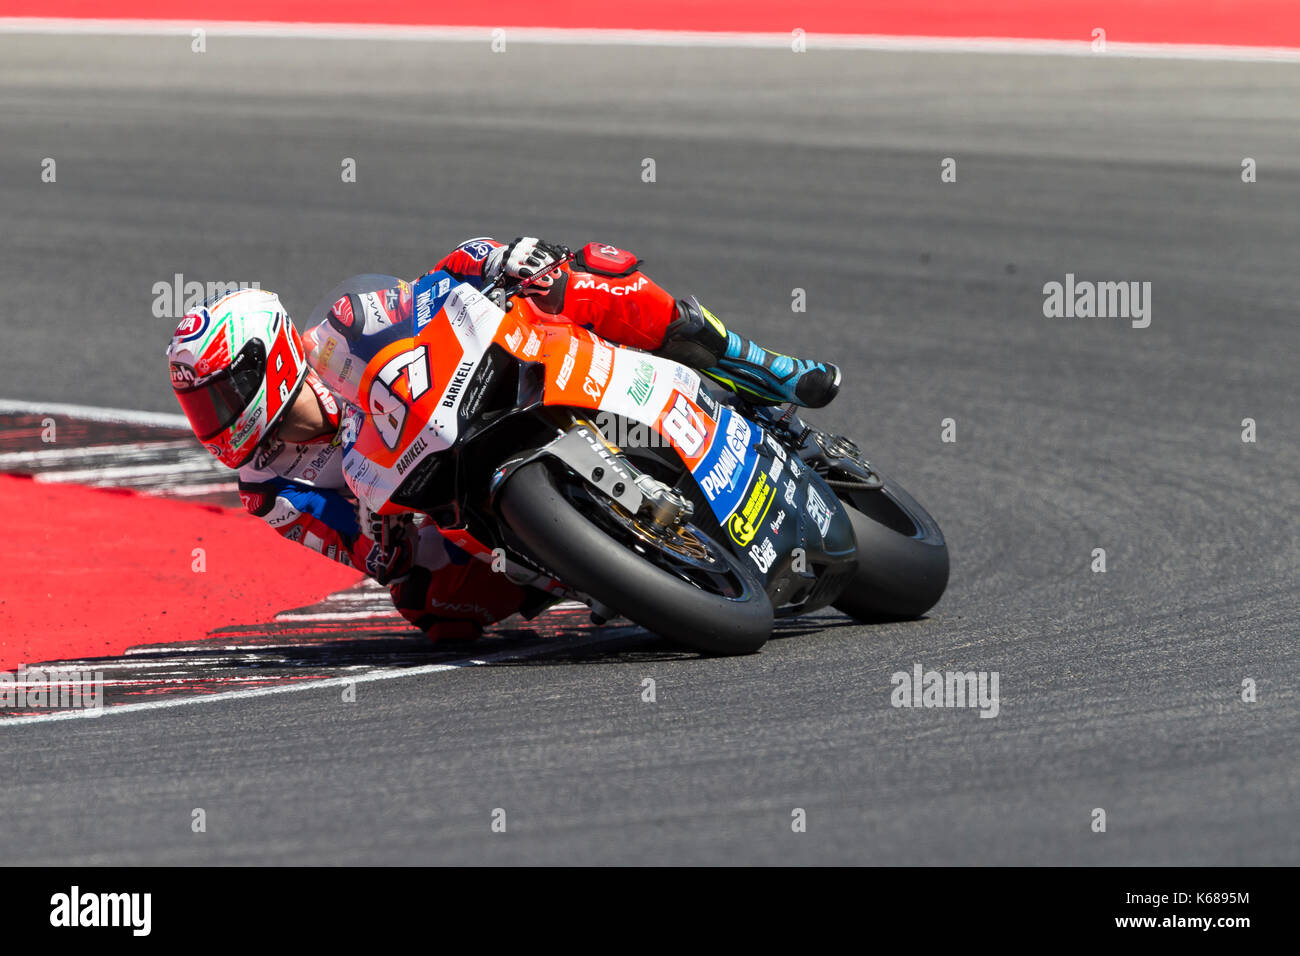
(705, 599)
(902, 556)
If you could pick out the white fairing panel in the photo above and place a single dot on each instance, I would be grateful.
(473, 320)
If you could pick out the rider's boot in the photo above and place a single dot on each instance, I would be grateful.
(697, 338)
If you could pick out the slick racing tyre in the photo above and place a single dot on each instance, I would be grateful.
(683, 586)
(902, 557)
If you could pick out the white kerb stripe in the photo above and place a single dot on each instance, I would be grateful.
(622, 37)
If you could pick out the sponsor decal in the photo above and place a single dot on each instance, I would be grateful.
(326, 397)
(429, 297)
(342, 312)
(458, 380)
(294, 533)
(790, 489)
(349, 427)
(610, 250)
(534, 343)
(776, 525)
(727, 471)
(722, 476)
(253, 501)
(460, 315)
(459, 607)
(587, 282)
(818, 511)
(193, 325)
(685, 427)
(738, 434)
(326, 454)
(423, 308)
(602, 363)
(643, 382)
(245, 428)
(376, 317)
(416, 449)
(744, 524)
(566, 368)
(514, 339)
(182, 375)
(267, 453)
(477, 390)
(477, 249)
(213, 450)
(375, 564)
(688, 383)
(281, 513)
(327, 352)
(764, 554)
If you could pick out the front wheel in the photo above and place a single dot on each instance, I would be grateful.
(682, 585)
(902, 557)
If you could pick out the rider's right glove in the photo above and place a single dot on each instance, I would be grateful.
(526, 257)
(395, 539)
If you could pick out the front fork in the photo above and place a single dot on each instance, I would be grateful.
(580, 445)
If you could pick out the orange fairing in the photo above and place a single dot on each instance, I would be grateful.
(412, 388)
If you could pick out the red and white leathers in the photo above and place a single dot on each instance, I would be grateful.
(299, 489)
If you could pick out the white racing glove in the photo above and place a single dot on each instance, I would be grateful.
(526, 257)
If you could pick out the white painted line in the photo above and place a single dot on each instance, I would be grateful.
(90, 412)
(357, 597)
(180, 491)
(49, 456)
(677, 38)
(112, 475)
(307, 684)
(289, 616)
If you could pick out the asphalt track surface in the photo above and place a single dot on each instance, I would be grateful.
(819, 171)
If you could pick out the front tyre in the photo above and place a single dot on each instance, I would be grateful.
(689, 590)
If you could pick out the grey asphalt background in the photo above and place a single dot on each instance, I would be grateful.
(774, 171)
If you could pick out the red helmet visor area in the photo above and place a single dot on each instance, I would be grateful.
(214, 403)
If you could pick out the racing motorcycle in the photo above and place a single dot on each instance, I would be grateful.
(616, 477)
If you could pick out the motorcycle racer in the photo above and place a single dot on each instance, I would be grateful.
(240, 373)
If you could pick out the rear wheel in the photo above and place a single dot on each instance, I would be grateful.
(681, 585)
(902, 556)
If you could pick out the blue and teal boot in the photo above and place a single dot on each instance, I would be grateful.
(697, 338)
